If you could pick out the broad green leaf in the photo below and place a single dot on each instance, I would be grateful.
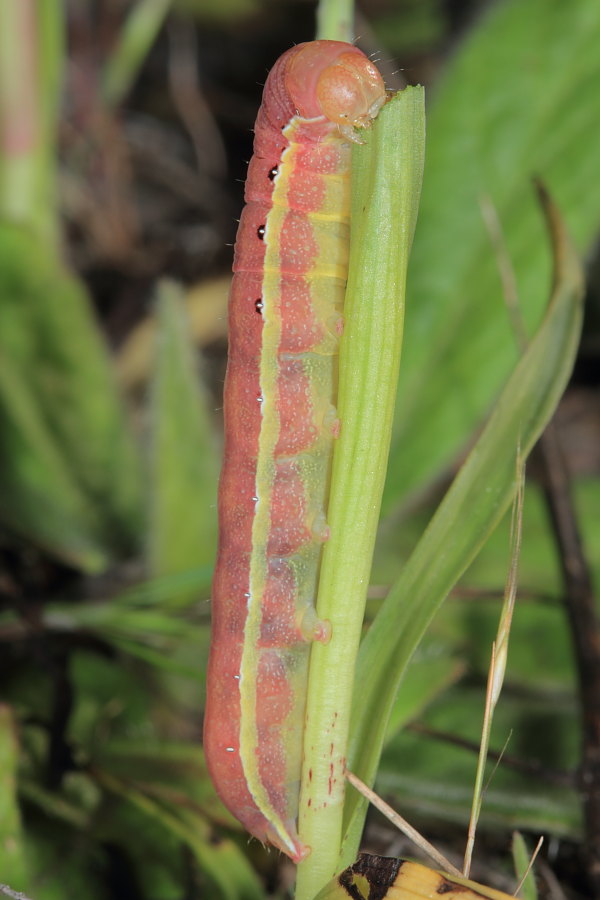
(49, 339)
(55, 806)
(472, 508)
(13, 866)
(539, 567)
(519, 98)
(184, 463)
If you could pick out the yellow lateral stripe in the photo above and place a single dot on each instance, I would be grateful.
(265, 473)
(330, 263)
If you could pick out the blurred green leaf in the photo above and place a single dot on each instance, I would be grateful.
(225, 866)
(38, 497)
(13, 869)
(472, 508)
(156, 860)
(410, 27)
(171, 771)
(470, 626)
(65, 864)
(109, 701)
(432, 670)
(520, 97)
(431, 779)
(207, 10)
(161, 591)
(52, 346)
(31, 60)
(521, 858)
(184, 462)
(138, 33)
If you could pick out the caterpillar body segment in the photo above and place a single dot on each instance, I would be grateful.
(285, 322)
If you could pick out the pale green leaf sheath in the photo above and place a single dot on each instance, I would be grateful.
(386, 178)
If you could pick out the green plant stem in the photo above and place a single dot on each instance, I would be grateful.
(335, 20)
(137, 36)
(386, 179)
(31, 49)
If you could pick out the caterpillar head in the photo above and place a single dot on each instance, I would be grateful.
(337, 81)
(351, 92)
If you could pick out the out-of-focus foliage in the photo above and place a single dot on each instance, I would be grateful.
(70, 476)
(521, 859)
(183, 460)
(518, 98)
(411, 27)
(12, 856)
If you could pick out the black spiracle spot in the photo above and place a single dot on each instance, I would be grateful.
(260, 232)
(273, 172)
(258, 306)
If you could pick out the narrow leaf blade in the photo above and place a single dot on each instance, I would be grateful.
(12, 856)
(470, 511)
(184, 461)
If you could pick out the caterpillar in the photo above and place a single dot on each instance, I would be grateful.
(285, 322)
(385, 878)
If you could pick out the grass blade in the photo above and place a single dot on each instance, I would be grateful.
(386, 179)
(472, 508)
(497, 663)
(12, 856)
(49, 338)
(523, 862)
(184, 460)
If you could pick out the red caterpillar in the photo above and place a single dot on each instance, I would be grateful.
(285, 321)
